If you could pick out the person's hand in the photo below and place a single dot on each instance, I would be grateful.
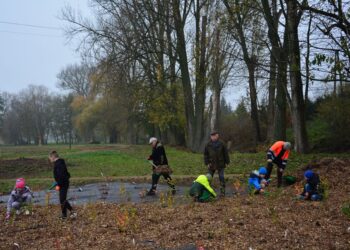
(269, 160)
(262, 191)
(262, 185)
(149, 158)
(209, 166)
(281, 170)
(7, 216)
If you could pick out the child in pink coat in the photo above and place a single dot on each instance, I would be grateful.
(20, 196)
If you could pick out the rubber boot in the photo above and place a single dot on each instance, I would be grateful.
(155, 178)
(269, 167)
(222, 190)
(279, 178)
(171, 185)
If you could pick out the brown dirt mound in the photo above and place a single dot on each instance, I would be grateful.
(10, 168)
(335, 170)
(275, 221)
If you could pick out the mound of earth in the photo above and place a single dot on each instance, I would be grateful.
(255, 222)
(334, 171)
(12, 168)
(274, 221)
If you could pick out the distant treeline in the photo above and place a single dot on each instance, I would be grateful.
(160, 68)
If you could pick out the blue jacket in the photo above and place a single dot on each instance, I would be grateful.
(255, 180)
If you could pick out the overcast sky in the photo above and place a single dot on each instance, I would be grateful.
(34, 55)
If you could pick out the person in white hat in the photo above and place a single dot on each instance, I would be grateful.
(158, 158)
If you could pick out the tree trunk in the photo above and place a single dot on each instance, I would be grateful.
(307, 61)
(216, 85)
(272, 93)
(215, 114)
(179, 136)
(113, 135)
(200, 84)
(253, 101)
(250, 61)
(281, 104)
(185, 75)
(278, 56)
(298, 107)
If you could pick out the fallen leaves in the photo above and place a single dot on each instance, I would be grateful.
(241, 222)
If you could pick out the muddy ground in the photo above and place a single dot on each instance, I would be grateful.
(11, 168)
(274, 221)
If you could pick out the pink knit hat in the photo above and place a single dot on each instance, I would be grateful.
(20, 183)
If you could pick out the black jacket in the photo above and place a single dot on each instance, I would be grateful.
(158, 155)
(313, 185)
(60, 173)
(216, 154)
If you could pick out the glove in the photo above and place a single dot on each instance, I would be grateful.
(54, 184)
(267, 182)
(7, 216)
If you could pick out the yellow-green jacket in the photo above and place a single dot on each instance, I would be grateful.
(202, 189)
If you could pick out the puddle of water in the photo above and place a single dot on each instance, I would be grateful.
(115, 192)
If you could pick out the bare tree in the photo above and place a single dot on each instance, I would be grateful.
(76, 78)
(297, 104)
(28, 117)
(243, 18)
(278, 70)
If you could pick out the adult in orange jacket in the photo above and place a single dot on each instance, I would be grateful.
(278, 154)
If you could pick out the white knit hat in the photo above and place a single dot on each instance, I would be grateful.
(152, 139)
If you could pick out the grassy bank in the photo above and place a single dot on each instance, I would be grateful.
(85, 162)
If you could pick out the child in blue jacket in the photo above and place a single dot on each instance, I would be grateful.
(257, 180)
(312, 187)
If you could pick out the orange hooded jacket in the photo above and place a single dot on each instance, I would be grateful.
(276, 149)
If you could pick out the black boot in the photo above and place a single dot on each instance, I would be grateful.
(279, 177)
(151, 192)
(222, 191)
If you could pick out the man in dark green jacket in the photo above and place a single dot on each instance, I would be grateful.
(216, 158)
(201, 190)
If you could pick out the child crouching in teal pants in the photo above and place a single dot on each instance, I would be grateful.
(201, 190)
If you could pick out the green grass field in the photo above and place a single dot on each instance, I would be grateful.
(85, 162)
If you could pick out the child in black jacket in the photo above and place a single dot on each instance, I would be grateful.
(312, 187)
(62, 176)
